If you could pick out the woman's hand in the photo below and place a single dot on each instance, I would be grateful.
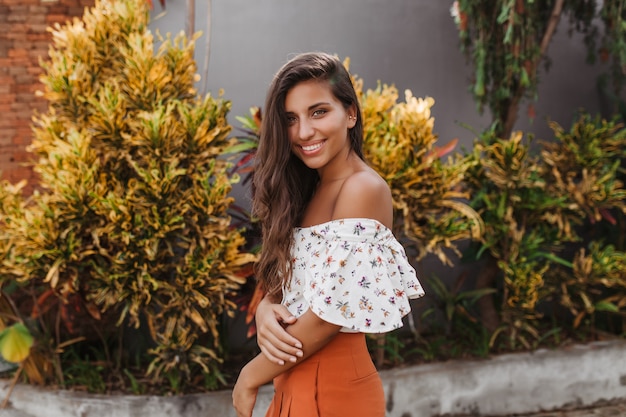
(277, 345)
(314, 332)
(244, 396)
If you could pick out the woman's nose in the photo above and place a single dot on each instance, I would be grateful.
(305, 130)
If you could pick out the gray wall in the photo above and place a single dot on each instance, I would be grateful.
(410, 43)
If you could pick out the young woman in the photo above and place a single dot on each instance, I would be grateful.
(328, 250)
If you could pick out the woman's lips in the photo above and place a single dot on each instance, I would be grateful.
(312, 148)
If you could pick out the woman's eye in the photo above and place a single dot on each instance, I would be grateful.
(319, 112)
(291, 120)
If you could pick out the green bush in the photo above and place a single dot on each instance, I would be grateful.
(540, 209)
(586, 164)
(400, 144)
(127, 244)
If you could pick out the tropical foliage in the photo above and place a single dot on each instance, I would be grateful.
(400, 144)
(538, 209)
(541, 202)
(127, 248)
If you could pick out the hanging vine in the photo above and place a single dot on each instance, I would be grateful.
(507, 42)
(612, 49)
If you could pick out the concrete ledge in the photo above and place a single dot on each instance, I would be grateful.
(580, 375)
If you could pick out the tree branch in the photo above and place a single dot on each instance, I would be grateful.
(555, 16)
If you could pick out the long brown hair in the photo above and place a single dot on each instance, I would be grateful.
(282, 185)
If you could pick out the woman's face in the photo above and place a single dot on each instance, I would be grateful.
(317, 124)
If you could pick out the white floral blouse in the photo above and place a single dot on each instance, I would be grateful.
(352, 273)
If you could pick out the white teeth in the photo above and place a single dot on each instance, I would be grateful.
(312, 148)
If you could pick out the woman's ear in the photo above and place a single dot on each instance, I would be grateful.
(352, 117)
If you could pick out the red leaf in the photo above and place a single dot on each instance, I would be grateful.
(441, 151)
(251, 331)
(606, 215)
(254, 303)
(257, 117)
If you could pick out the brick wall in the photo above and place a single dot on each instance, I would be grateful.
(23, 41)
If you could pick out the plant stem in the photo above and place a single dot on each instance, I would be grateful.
(13, 383)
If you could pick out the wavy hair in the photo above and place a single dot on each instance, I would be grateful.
(282, 184)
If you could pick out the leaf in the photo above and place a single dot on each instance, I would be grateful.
(606, 306)
(241, 147)
(15, 343)
(476, 294)
(53, 273)
(442, 151)
(552, 257)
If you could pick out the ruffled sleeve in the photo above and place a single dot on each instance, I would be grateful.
(356, 274)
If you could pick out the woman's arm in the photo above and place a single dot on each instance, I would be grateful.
(314, 333)
(274, 341)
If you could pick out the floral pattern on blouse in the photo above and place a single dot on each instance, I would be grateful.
(352, 273)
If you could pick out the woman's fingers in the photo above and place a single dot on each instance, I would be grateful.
(283, 314)
(278, 351)
(275, 342)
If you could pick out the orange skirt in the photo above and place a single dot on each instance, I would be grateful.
(339, 380)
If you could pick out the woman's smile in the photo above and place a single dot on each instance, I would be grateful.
(312, 148)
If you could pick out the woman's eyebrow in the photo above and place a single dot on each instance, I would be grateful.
(312, 106)
(321, 103)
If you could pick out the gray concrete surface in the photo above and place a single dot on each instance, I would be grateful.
(614, 410)
(579, 381)
(617, 409)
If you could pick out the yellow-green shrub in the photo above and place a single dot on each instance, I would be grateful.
(540, 208)
(400, 144)
(130, 226)
(585, 163)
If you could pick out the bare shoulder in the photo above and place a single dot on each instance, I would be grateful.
(365, 194)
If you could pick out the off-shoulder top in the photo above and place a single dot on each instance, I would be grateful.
(352, 273)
